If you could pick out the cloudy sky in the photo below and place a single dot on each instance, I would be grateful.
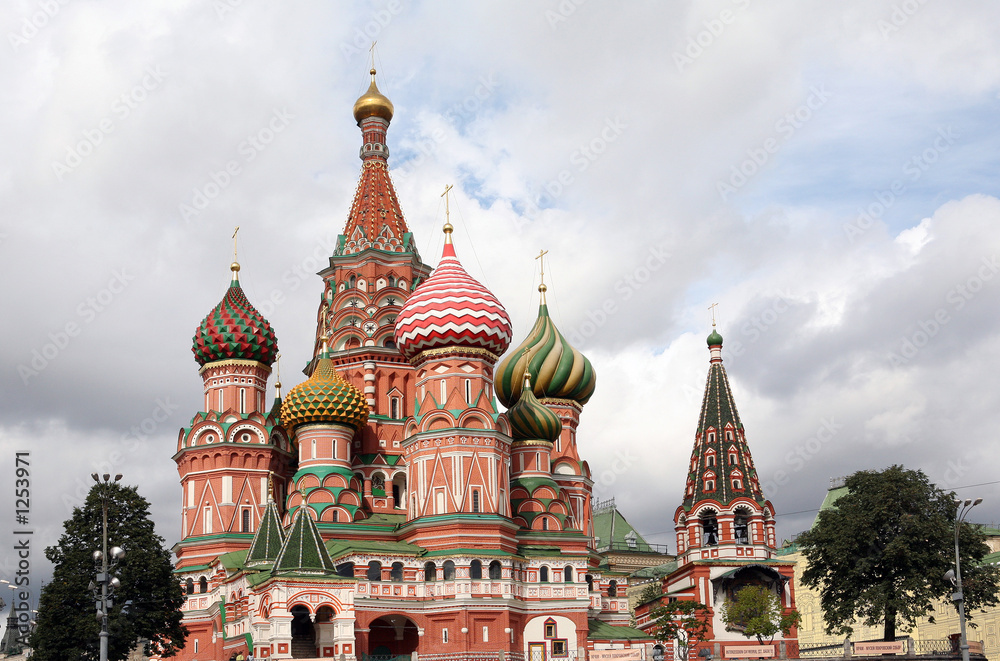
(825, 172)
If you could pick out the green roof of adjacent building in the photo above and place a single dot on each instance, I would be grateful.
(613, 531)
(599, 630)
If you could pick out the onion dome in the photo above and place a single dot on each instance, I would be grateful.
(373, 104)
(558, 370)
(714, 338)
(530, 420)
(234, 330)
(325, 397)
(451, 309)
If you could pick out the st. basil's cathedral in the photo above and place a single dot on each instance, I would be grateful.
(387, 506)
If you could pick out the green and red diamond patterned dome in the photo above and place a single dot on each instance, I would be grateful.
(234, 330)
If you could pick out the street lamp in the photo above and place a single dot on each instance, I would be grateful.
(962, 508)
(105, 584)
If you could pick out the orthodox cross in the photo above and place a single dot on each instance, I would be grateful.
(234, 242)
(712, 308)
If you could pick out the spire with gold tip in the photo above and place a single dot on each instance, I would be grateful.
(325, 397)
(559, 370)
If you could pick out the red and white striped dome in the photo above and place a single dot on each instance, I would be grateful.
(451, 309)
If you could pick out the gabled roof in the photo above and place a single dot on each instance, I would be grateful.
(303, 551)
(614, 532)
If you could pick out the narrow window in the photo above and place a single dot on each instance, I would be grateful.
(394, 408)
(543, 575)
(243, 400)
(613, 588)
(374, 571)
(190, 586)
(486, 634)
(444, 635)
(430, 571)
(396, 573)
(468, 391)
(495, 570)
(245, 523)
(207, 523)
(449, 570)
(568, 574)
(220, 399)
(545, 524)
(475, 500)
(476, 569)
(203, 585)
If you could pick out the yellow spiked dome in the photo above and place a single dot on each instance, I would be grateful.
(325, 397)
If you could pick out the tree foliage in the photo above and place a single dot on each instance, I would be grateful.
(880, 555)
(683, 621)
(756, 612)
(67, 626)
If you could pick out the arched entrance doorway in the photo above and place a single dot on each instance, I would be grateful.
(303, 633)
(391, 636)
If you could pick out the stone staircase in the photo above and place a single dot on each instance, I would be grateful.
(303, 648)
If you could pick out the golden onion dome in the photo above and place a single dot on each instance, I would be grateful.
(373, 104)
(325, 397)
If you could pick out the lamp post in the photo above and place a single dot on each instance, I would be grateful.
(105, 584)
(962, 508)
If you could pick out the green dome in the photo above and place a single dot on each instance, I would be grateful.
(531, 421)
(714, 338)
(325, 397)
(558, 370)
(234, 330)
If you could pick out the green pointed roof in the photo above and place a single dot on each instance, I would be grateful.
(268, 540)
(303, 551)
(720, 430)
(558, 370)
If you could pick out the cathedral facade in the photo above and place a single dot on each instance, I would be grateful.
(387, 505)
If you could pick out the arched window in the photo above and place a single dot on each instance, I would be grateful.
(568, 574)
(545, 524)
(710, 528)
(190, 586)
(710, 460)
(741, 528)
(374, 570)
(590, 582)
(352, 282)
(543, 575)
(396, 573)
(388, 344)
(476, 569)
(495, 570)
(346, 569)
(203, 585)
(449, 570)
(394, 408)
(430, 571)
(613, 588)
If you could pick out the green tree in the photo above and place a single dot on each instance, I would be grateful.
(756, 612)
(880, 554)
(683, 621)
(67, 626)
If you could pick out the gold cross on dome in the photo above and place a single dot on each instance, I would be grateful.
(541, 263)
(712, 308)
(235, 232)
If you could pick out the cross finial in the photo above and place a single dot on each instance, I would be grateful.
(712, 308)
(372, 52)
(235, 266)
(541, 265)
(448, 229)
(277, 376)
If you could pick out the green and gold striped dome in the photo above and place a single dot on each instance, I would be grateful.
(532, 421)
(325, 397)
(558, 370)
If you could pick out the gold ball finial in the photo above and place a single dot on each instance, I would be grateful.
(448, 228)
(542, 288)
(235, 268)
